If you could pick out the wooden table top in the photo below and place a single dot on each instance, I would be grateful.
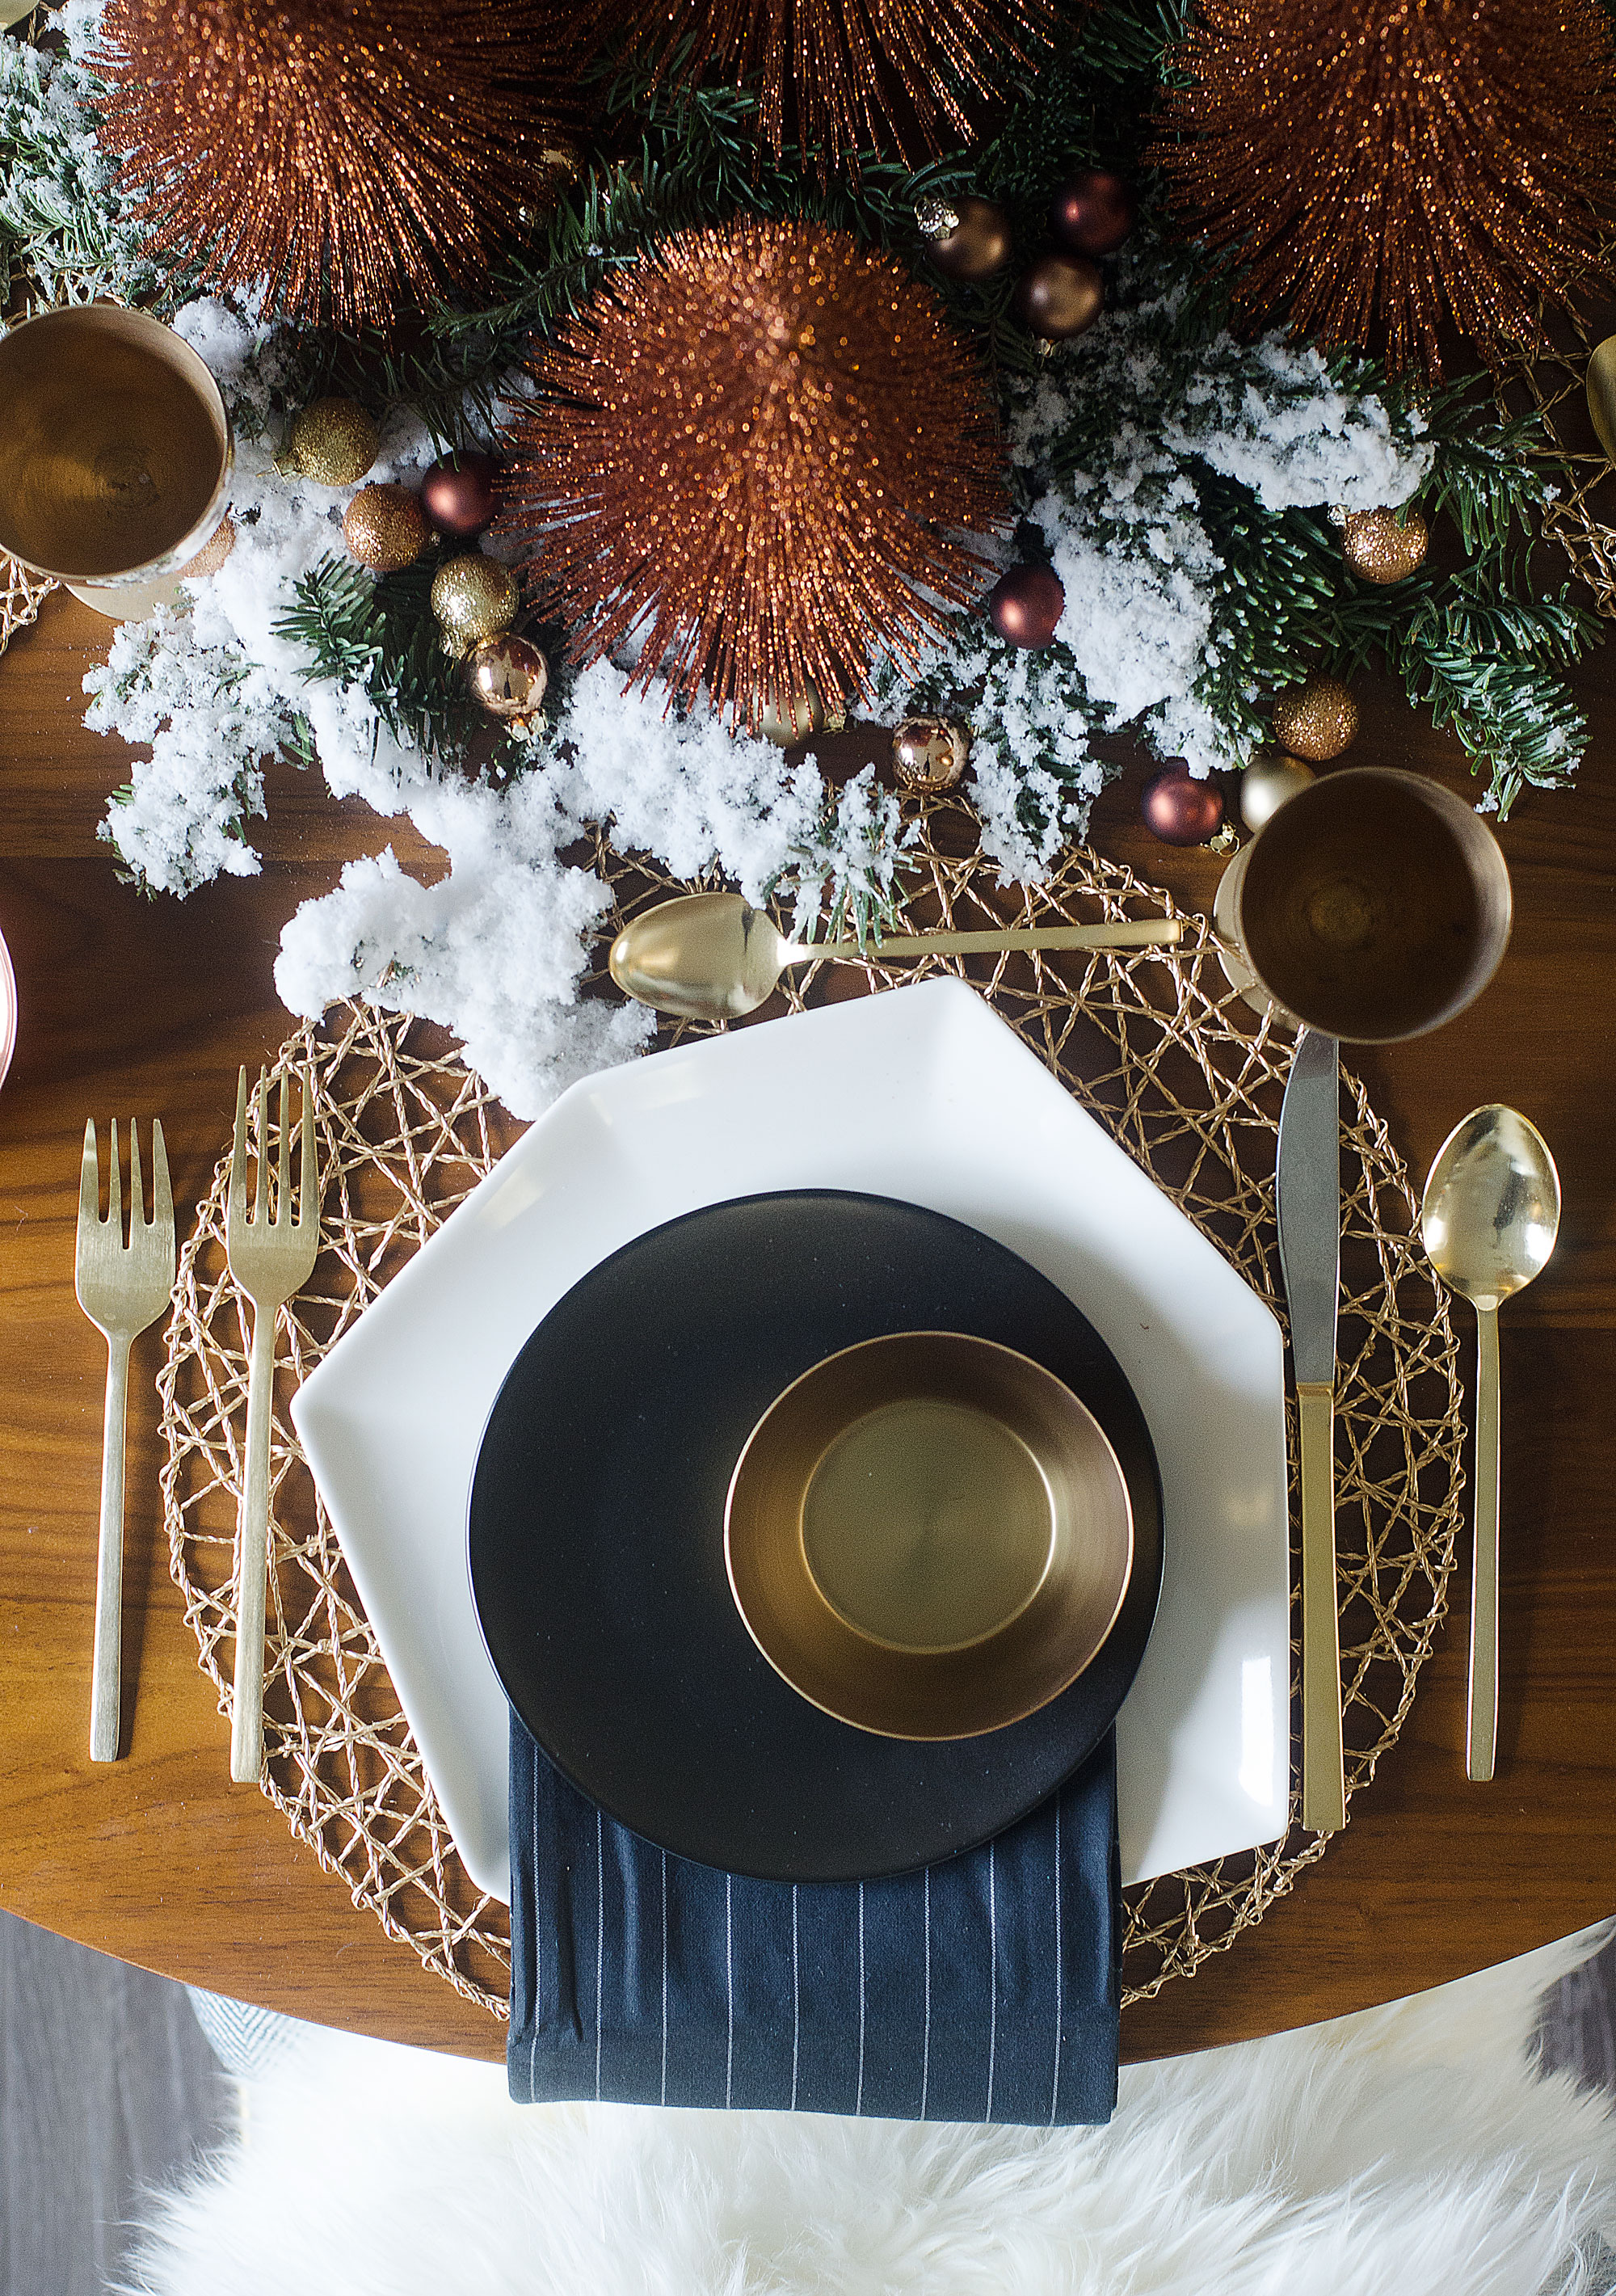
(135, 1004)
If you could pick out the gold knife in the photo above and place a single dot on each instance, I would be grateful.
(1307, 1189)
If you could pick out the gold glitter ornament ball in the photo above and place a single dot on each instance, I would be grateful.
(213, 553)
(929, 753)
(386, 529)
(1268, 782)
(333, 442)
(1385, 545)
(508, 676)
(758, 451)
(473, 597)
(1315, 721)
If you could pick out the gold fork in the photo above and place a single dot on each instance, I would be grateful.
(271, 1258)
(122, 1288)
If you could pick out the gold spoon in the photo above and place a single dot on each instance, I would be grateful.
(1488, 1220)
(712, 956)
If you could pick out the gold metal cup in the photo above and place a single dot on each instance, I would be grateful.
(1373, 906)
(115, 454)
(929, 1535)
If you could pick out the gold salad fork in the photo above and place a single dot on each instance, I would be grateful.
(271, 1258)
(122, 1288)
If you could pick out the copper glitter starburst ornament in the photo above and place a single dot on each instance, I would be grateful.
(758, 450)
(895, 76)
(358, 155)
(1378, 170)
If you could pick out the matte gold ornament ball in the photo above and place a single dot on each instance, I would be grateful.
(784, 718)
(507, 675)
(333, 442)
(1315, 721)
(967, 239)
(929, 753)
(1060, 296)
(1385, 545)
(386, 529)
(473, 598)
(1268, 782)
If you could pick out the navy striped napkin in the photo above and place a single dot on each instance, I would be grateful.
(984, 1989)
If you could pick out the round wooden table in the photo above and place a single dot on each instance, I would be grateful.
(132, 1006)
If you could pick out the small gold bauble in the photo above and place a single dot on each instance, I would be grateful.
(473, 597)
(333, 442)
(507, 675)
(213, 553)
(785, 719)
(929, 753)
(1385, 545)
(1267, 783)
(386, 528)
(1315, 721)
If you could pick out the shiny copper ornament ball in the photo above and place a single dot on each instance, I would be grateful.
(1315, 721)
(929, 753)
(1181, 811)
(473, 598)
(1385, 545)
(508, 676)
(975, 241)
(385, 528)
(333, 442)
(458, 493)
(1094, 213)
(1025, 606)
(1060, 296)
(1268, 782)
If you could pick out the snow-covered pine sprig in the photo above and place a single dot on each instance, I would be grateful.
(1178, 482)
(63, 219)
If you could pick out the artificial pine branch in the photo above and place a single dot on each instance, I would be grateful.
(379, 634)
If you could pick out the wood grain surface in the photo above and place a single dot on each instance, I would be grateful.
(137, 1006)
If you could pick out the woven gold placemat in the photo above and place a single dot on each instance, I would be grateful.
(1153, 1044)
(21, 596)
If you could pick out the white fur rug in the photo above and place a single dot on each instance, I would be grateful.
(1411, 2151)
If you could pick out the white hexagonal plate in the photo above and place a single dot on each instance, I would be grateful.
(922, 1094)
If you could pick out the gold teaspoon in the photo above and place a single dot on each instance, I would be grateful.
(1488, 1220)
(712, 956)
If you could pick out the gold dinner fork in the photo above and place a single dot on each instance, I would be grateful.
(271, 1258)
(122, 1288)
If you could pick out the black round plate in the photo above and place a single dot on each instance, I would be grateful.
(596, 1537)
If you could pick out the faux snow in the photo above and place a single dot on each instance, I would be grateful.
(497, 947)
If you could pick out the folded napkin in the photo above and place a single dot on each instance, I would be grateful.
(983, 1988)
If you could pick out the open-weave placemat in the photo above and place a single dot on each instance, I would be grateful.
(1155, 1045)
(1554, 381)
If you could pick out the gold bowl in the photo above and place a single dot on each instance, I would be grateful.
(115, 451)
(929, 1535)
(1374, 905)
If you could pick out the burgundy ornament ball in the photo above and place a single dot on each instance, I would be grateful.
(1060, 296)
(1181, 811)
(1094, 213)
(457, 494)
(1025, 604)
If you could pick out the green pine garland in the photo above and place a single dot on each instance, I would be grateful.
(1484, 648)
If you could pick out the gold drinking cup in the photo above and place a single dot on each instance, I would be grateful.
(1374, 905)
(115, 454)
(929, 1535)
